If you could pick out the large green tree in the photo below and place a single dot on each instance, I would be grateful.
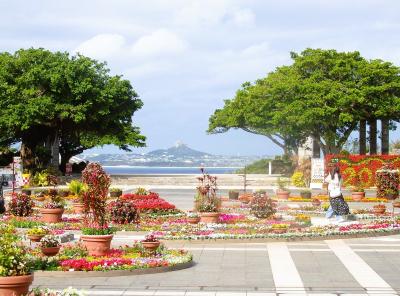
(54, 102)
(324, 94)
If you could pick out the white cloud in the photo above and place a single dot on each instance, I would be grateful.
(102, 46)
(243, 17)
(160, 42)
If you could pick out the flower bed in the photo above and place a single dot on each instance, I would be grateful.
(75, 258)
(150, 203)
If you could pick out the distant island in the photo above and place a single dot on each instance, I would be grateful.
(179, 155)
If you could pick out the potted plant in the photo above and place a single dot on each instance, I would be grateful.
(262, 206)
(39, 195)
(357, 193)
(21, 205)
(26, 190)
(379, 209)
(63, 193)
(206, 201)
(234, 194)
(115, 192)
(50, 245)
(396, 204)
(35, 234)
(391, 193)
(53, 210)
(279, 228)
(77, 189)
(96, 234)
(315, 202)
(15, 273)
(282, 192)
(150, 243)
(306, 194)
(193, 218)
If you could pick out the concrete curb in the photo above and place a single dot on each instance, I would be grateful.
(111, 273)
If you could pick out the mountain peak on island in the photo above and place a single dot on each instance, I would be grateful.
(179, 149)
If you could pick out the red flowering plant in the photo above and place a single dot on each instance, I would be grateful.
(150, 238)
(206, 199)
(95, 199)
(150, 203)
(21, 205)
(262, 206)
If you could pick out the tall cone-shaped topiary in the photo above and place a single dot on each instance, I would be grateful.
(95, 197)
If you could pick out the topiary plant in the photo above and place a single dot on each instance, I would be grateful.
(123, 212)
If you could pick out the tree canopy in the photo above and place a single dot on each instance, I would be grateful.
(55, 102)
(323, 94)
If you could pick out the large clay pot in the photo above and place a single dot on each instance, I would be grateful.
(50, 251)
(281, 194)
(35, 237)
(396, 204)
(51, 215)
(15, 285)
(379, 210)
(357, 195)
(209, 217)
(151, 246)
(97, 245)
(316, 202)
(234, 195)
(193, 220)
(79, 208)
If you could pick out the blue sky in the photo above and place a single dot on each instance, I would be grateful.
(185, 57)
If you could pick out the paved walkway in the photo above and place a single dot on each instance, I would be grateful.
(337, 267)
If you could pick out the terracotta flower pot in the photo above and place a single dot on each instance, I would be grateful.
(357, 195)
(15, 285)
(51, 215)
(396, 204)
(97, 245)
(35, 237)
(151, 246)
(282, 194)
(209, 217)
(40, 198)
(193, 220)
(316, 202)
(379, 210)
(79, 208)
(234, 195)
(50, 251)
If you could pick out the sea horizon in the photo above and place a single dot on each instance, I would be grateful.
(151, 170)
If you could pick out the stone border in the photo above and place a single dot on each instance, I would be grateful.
(282, 239)
(112, 273)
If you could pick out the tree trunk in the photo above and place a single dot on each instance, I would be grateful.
(65, 157)
(27, 156)
(385, 136)
(55, 150)
(363, 137)
(372, 136)
(316, 149)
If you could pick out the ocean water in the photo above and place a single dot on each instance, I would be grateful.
(141, 170)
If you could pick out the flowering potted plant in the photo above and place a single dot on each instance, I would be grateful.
(96, 235)
(233, 194)
(53, 210)
(21, 205)
(50, 245)
(115, 192)
(387, 180)
(77, 189)
(305, 194)
(262, 206)
(379, 209)
(206, 200)
(282, 192)
(193, 218)
(15, 273)
(150, 243)
(35, 234)
(123, 212)
(315, 202)
(357, 192)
